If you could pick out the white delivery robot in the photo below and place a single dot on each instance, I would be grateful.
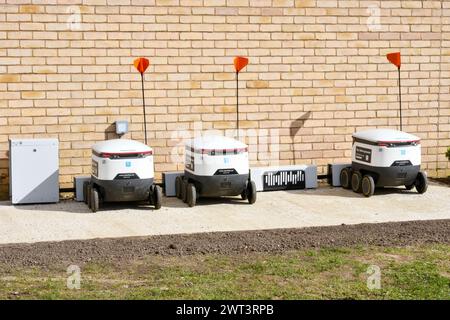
(384, 157)
(215, 166)
(122, 170)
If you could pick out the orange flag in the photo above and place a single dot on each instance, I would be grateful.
(394, 58)
(240, 63)
(141, 64)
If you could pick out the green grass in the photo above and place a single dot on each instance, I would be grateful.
(419, 272)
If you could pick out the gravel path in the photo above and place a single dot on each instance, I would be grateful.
(122, 250)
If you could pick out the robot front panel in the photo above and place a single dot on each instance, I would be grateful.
(208, 163)
(110, 169)
(385, 156)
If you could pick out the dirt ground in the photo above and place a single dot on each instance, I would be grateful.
(123, 250)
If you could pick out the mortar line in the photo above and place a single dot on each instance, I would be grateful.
(440, 90)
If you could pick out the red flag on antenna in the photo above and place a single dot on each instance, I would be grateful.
(141, 64)
(394, 58)
(240, 63)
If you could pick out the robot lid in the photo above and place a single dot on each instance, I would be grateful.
(385, 136)
(121, 146)
(215, 142)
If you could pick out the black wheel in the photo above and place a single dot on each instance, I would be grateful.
(94, 200)
(88, 195)
(191, 194)
(356, 181)
(244, 195)
(184, 185)
(178, 181)
(409, 186)
(345, 177)
(151, 191)
(251, 192)
(85, 198)
(367, 186)
(421, 183)
(157, 197)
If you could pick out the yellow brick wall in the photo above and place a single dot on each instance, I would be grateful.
(317, 73)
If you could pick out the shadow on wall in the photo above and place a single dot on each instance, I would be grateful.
(4, 177)
(110, 132)
(295, 127)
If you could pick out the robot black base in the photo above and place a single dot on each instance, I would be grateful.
(218, 185)
(389, 176)
(123, 189)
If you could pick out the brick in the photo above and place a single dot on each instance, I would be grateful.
(9, 78)
(258, 84)
(305, 56)
(305, 3)
(15, 121)
(33, 95)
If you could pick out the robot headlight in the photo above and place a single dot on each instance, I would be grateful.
(393, 144)
(125, 155)
(220, 152)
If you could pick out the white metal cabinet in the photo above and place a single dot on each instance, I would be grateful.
(34, 170)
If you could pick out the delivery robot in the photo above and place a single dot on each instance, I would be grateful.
(122, 170)
(384, 157)
(215, 166)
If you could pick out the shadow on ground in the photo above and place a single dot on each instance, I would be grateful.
(442, 181)
(329, 191)
(73, 206)
(172, 202)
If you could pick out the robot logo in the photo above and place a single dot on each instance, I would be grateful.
(128, 164)
(363, 154)
(403, 152)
